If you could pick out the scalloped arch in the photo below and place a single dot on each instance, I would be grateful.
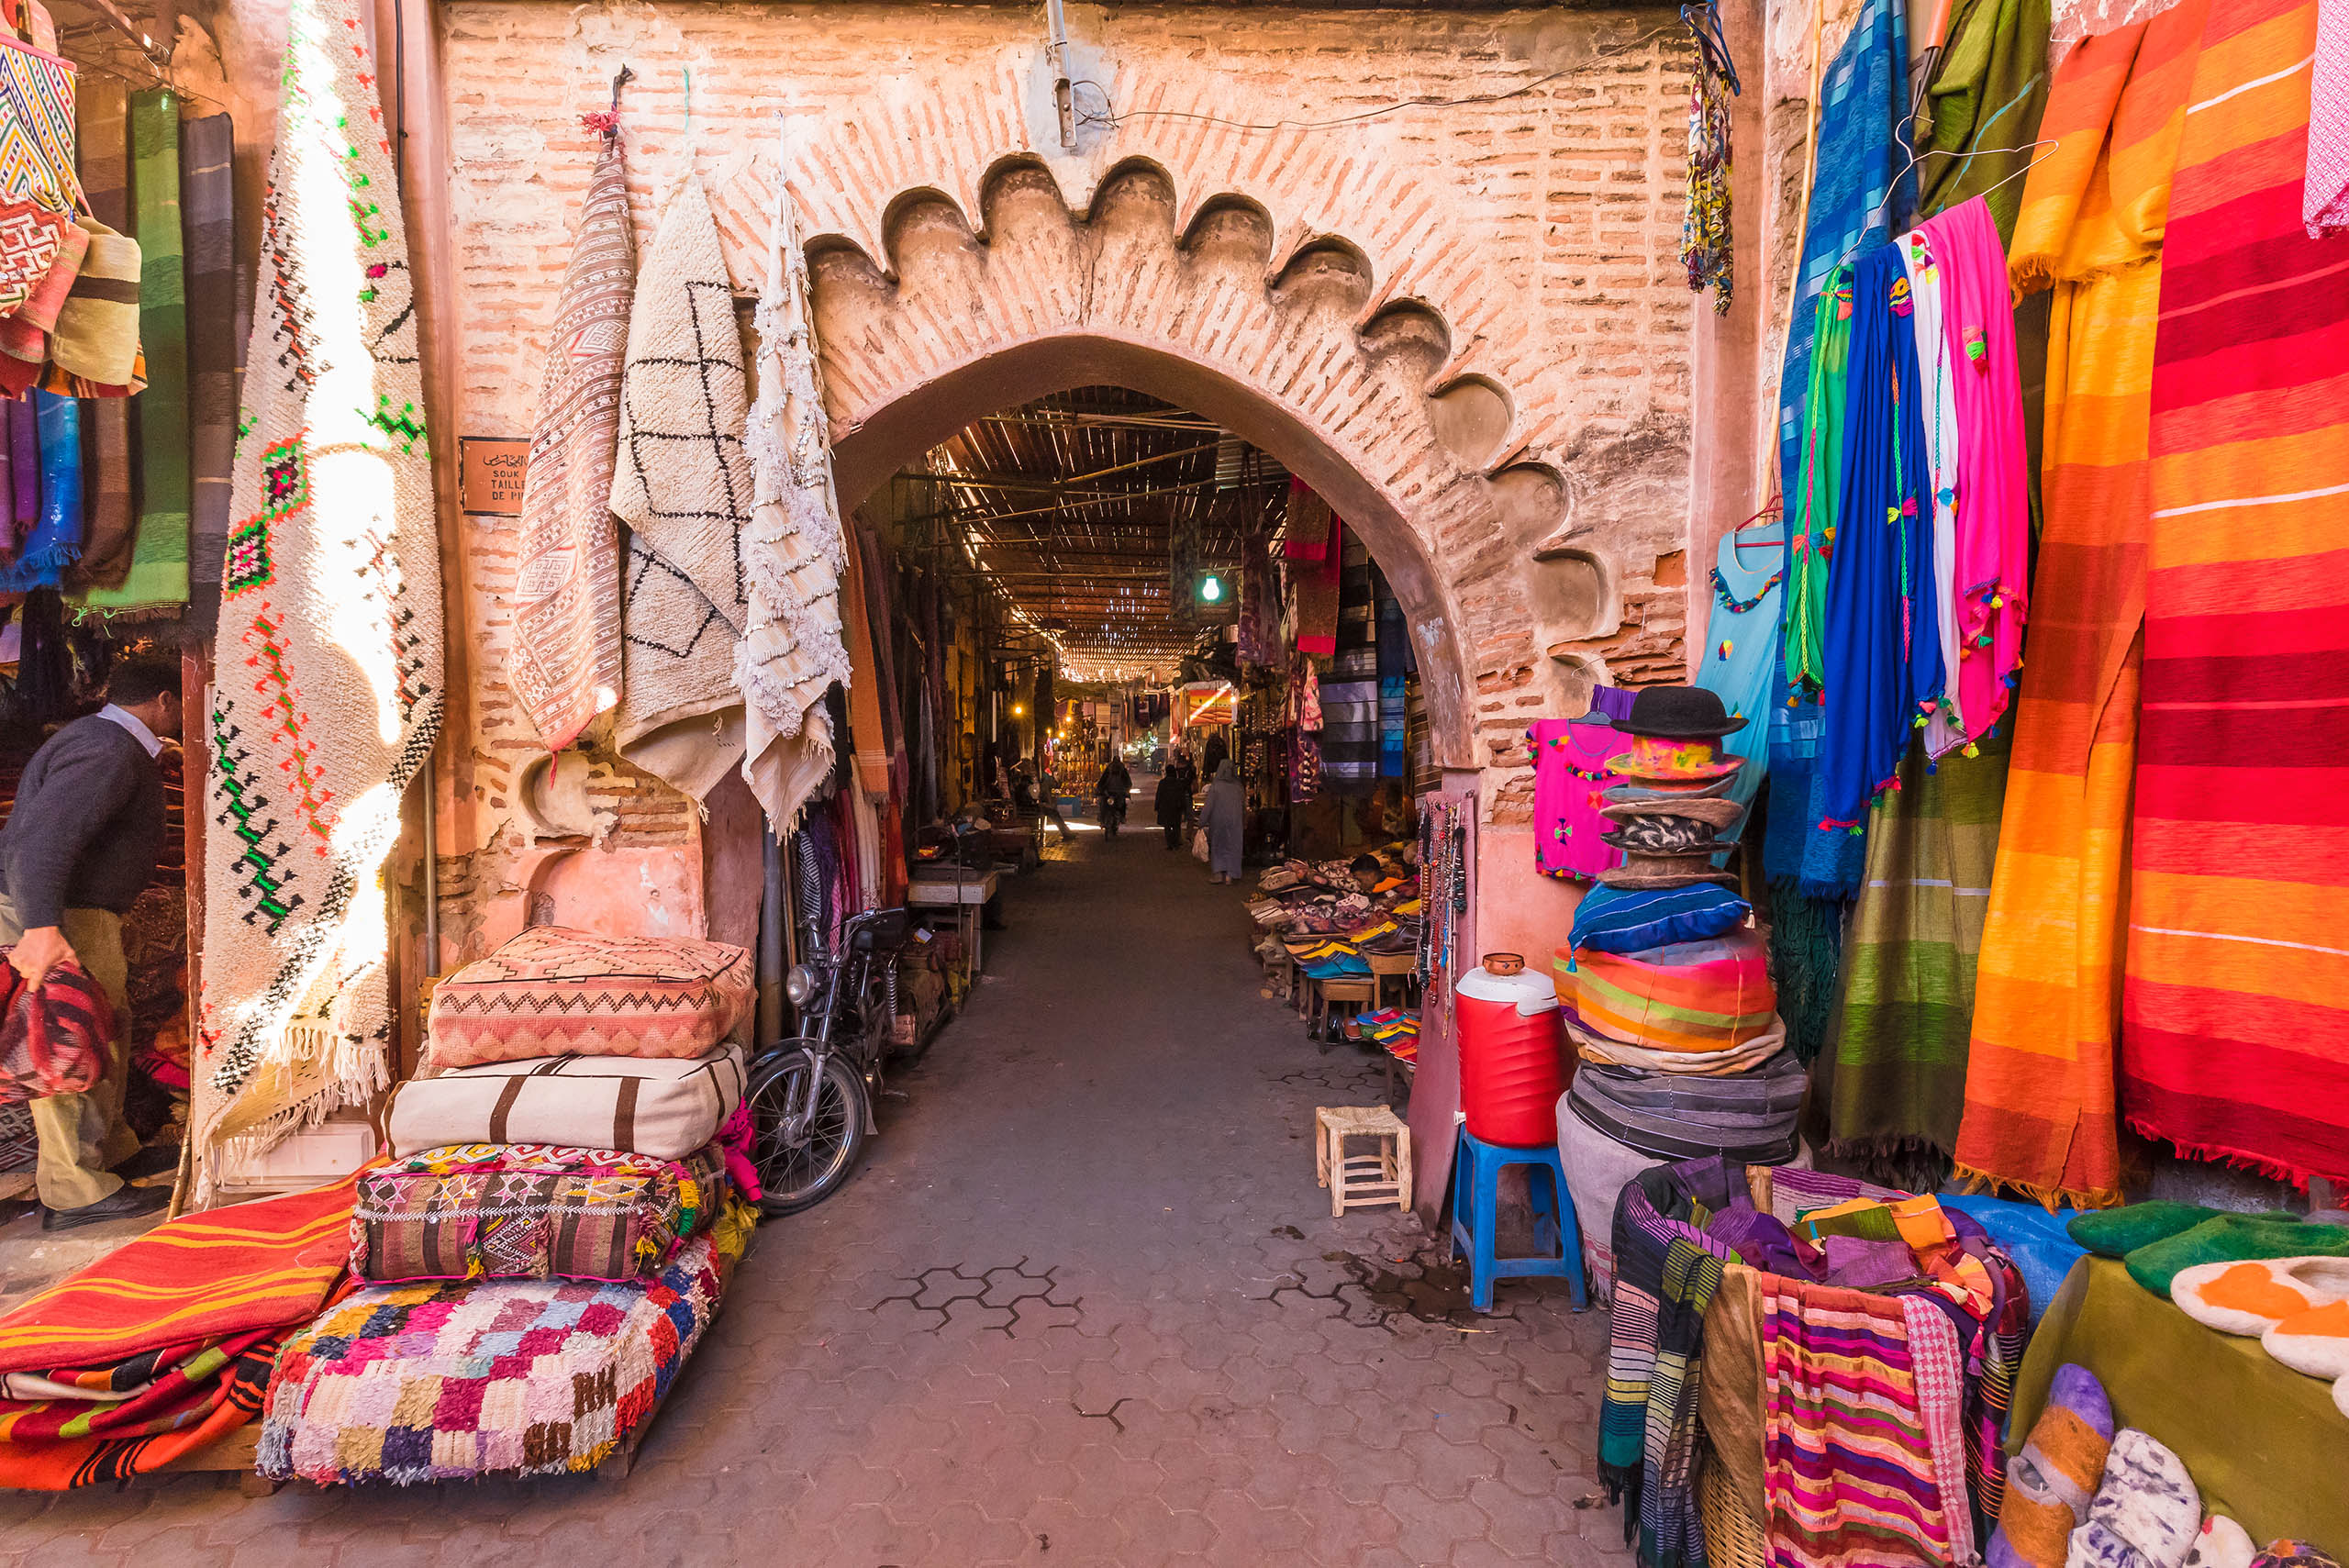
(1277, 331)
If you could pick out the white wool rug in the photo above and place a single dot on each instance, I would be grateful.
(326, 694)
(683, 485)
(795, 549)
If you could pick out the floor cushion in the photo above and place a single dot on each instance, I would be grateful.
(553, 991)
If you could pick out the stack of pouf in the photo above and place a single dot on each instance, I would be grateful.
(1667, 991)
(564, 1196)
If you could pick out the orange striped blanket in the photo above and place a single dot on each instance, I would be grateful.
(2235, 1035)
(2039, 1088)
(165, 1345)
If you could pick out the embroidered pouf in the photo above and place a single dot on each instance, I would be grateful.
(553, 991)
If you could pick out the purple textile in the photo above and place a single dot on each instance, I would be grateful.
(1612, 703)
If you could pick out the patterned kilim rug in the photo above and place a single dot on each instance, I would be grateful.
(329, 694)
(566, 611)
(682, 485)
(794, 552)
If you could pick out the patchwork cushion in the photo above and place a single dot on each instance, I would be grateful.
(530, 1211)
(553, 991)
(453, 1380)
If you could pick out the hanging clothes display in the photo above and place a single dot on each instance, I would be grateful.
(1742, 648)
(2038, 1083)
(2235, 1017)
(1884, 665)
(1394, 665)
(1937, 410)
(1570, 778)
(1705, 232)
(1810, 537)
(1350, 744)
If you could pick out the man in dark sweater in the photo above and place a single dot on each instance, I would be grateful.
(77, 848)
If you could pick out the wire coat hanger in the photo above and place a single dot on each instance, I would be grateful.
(1881, 208)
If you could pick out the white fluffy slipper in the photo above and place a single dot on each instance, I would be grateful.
(2316, 1343)
(2222, 1544)
(2251, 1297)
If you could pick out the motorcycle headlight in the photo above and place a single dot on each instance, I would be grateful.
(799, 984)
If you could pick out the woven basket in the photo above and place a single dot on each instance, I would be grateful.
(1733, 1537)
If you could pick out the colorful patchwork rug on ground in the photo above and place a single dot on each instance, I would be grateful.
(329, 698)
(165, 1345)
(2235, 1031)
(408, 1384)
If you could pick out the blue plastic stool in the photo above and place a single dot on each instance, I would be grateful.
(1476, 1195)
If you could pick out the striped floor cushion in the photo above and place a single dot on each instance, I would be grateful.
(553, 991)
(1696, 996)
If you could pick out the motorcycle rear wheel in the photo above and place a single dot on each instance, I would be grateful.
(793, 1178)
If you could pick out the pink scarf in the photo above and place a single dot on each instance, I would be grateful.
(2325, 194)
(1993, 465)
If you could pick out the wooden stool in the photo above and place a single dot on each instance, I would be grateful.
(1398, 967)
(1346, 988)
(1361, 1181)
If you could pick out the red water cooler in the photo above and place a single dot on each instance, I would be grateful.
(1512, 1045)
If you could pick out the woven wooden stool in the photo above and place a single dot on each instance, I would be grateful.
(1361, 1181)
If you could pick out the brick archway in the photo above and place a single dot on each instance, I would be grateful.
(1294, 349)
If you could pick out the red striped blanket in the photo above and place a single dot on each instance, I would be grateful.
(2235, 1028)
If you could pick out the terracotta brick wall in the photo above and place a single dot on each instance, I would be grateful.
(1477, 309)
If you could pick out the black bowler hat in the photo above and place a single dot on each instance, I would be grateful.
(1678, 713)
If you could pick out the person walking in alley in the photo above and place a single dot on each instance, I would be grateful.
(1224, 815)
(76, 849)
(1173, 800)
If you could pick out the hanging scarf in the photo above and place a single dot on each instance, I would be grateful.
(2039, 1081)
(207, 210)
(330, 623)
(1993, 535)
(1983, 106)
(566, 663)
(2324, 203)
(156, 583)
(794, 551)
(1810, 544)
(1937, 407)
(1705, 224)
(102, 127)
(1860, 187)
(1883, 653)
(50, 537)
(2236, 1012)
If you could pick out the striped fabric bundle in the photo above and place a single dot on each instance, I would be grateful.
(1691, 997)
(2039, 1087)
(1849, 1448)
(2235, 1027)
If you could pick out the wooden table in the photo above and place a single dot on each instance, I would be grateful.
(966, 897)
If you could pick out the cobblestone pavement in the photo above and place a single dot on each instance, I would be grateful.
(1084, 1306)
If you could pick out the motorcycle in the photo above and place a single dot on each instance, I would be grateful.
(811, 1096)
(1113, 814)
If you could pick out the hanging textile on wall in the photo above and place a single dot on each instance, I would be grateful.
(566, 666)
(1570, 778)
(332, 605)
(1395, 665)
(156, 583)
(208, 214)
(2235, 1027)
(2324, 206)
(683, 485)
(1704, 247)
(1741, 651)
(1883, 667)
(795, 549)
(1350, 690)
(1259, 642)
(2039, 1082)
(101, 125)
(1908, 964)
(1861, 186)
(1982, 109)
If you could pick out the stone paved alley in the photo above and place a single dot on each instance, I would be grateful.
(1084, 1306)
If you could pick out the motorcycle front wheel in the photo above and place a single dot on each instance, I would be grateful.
(798, 1175)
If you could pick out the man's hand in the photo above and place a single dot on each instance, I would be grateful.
(39, 950)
